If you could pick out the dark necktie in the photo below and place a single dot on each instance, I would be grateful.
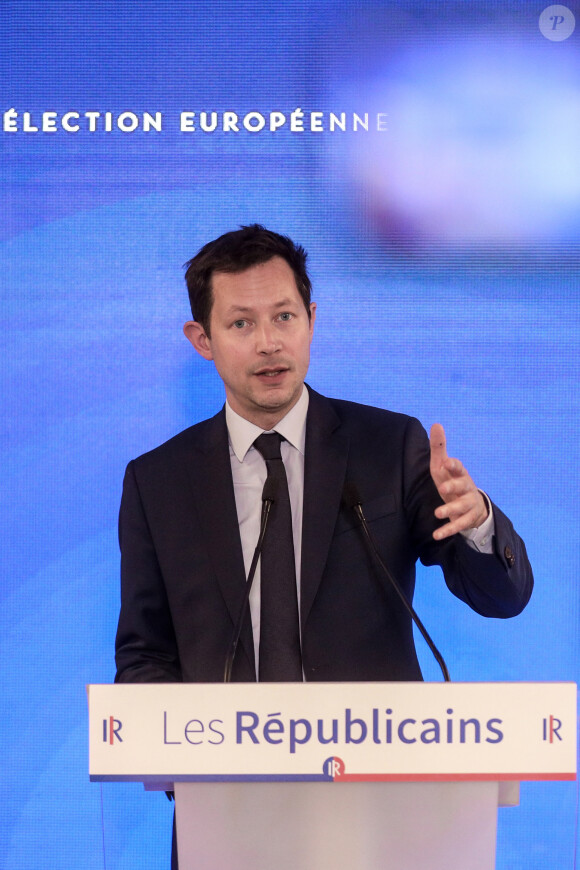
(280, 658)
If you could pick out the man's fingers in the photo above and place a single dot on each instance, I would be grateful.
(452, 528)
(458, 484)
(467, 510)
(461, 506)
(458, 524)
(454, 466)
(438, 444)
(464, 507)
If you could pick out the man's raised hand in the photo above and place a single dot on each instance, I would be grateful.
(464, 507)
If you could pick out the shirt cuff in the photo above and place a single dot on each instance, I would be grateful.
(481, 539)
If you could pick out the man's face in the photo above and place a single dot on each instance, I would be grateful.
(260, 339)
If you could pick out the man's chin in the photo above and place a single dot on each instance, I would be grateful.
(277, 399)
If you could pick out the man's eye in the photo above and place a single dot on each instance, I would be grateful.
(239, 324)
(286, 315)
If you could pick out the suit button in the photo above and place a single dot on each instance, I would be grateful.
(509, 556)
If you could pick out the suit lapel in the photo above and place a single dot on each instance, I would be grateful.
(325, 462)
(210, 474)
(209, 470)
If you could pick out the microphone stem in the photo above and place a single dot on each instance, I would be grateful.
(408, 606)
(266, 505)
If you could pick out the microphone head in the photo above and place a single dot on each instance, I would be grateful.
(351, 495)
(270, 490)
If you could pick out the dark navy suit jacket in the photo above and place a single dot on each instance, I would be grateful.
(182, 571)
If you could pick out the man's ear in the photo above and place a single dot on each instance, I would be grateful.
(312, 318)
(195, 333)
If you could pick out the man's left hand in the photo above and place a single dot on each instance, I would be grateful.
(464, 507)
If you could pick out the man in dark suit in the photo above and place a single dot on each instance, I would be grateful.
(190, 513)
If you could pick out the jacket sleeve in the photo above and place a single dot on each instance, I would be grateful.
(498, 584)
(146, 649)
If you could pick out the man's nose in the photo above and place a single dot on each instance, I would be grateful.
(267, 339)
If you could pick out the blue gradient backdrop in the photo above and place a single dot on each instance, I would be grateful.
(444, 255)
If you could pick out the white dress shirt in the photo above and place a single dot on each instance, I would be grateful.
(249, 475)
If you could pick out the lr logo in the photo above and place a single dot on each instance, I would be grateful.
(333, 767)
(111, 728)
(551, 728)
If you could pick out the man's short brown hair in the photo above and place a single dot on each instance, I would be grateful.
(235, 252)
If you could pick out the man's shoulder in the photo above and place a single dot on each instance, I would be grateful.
(369, 413)
(202, 437)
(356, 416)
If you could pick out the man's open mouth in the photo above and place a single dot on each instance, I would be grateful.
(270, 373)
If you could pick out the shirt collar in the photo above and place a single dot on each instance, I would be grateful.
(292, 427)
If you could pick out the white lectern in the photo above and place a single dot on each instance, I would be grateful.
(341, 775)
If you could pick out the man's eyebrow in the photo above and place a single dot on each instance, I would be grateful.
(245, 309)
(239, 309)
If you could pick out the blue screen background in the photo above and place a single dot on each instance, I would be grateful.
(444, 257)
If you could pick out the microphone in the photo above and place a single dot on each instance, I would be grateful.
(351, 497)
(269, 494)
